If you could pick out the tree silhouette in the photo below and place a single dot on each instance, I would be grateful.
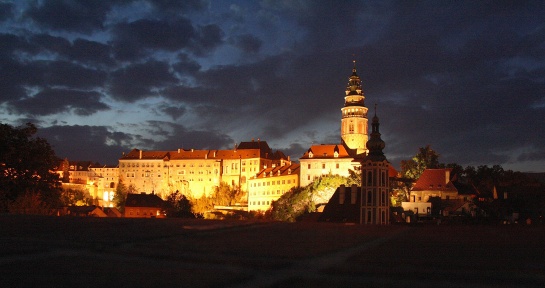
(27, 165)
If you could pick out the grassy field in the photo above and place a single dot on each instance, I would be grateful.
(90, 252)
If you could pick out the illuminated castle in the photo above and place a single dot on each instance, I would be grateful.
(337, 159)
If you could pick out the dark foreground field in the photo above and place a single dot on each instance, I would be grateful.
(98, 252)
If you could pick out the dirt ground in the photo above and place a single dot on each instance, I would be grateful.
(93, 252)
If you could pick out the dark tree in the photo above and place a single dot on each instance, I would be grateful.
(179, 206)
(65, 167)
(120, 195)
(27, 165)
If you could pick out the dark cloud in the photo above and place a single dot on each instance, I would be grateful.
(11, 44)
(87, 142)
(465, 77)
(6, 10)
(248, 43)
(139, 81)
(208, 38)
(70, 15)
(53, 101)
(135, 39)
(179, 6)
(154, 34)
(62, 73)
(90, 52)
(80, 50)
(186, 65)
(53, 44)
(294, 150)
(12, 76)
(174, 112)
(178, 136)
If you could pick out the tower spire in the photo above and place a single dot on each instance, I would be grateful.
(354, 130)
(375, 143)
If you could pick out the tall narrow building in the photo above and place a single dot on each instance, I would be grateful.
(375, 184)
(354, 131)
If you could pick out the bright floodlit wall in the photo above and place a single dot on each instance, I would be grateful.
(145, 175)
(312, 169)
(270, 184)
(194, 173)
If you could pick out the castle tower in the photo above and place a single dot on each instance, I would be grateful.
(375, 203)
(354, 131)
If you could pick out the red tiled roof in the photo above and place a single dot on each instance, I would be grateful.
(190, 154)
(392, 172)
(143, 200)
(283, 170)
(152, 154)
(434, 179)
(325, 151)
(245, 150)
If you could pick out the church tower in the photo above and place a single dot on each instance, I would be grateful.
(354, 131)
(375, 203)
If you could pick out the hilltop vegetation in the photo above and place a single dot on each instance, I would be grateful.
(301, 200)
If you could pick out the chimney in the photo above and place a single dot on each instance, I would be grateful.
(178, 150)
(447, 176)
(140, 154)
(341, 194)
(353, 194)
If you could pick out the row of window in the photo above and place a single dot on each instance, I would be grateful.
(145, 213)
(200, 172)
(269, 183)
(309, 166)
(260, 202)
(256, 193)
(152, 165)
(233, 165)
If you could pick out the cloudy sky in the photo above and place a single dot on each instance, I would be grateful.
(103, 77)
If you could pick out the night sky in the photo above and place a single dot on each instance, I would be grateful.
(100, 78)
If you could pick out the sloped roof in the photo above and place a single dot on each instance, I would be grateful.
(254, 149)
(149, 155)
(434, 180)
(261, 145)
(392, 172)
(241, 153)
(284, 170)
(92, 210)
(190, 154)
(143, 200)
(326, 151)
